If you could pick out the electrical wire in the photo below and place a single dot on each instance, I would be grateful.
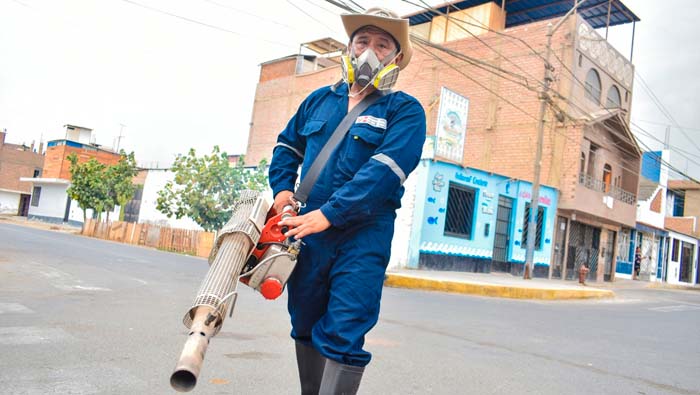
(563, 64)
(667, 124)
(422, 43)
(216, 3)
(311, 16)
(219, 28)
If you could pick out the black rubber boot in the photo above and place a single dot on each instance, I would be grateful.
(311, 365)
(339, 379)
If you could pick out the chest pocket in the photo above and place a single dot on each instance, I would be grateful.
(360, 145)
(311, 133)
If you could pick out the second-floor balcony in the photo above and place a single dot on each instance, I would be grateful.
(615, 192)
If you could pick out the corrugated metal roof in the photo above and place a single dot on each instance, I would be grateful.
(519, 12)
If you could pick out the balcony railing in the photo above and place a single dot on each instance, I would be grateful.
(599, 185)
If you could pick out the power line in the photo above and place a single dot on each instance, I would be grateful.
(216, 3)
(668, 125)
(223, 29)
(340, 4)
(651, 136)
(459, 25)
(322, 8)
(422, 43)
(310, 16)
(663, 109)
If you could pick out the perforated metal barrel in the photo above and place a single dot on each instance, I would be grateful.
(231, 250)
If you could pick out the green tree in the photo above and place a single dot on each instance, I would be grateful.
(88, 186)
(205, 188)
(120, 183)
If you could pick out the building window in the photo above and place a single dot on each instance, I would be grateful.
(593, 86)
(607, 177)
(674, 250)
(36, 195)
(623, 245)
(580, 60)
(678, 205)
(37, 173)
(591, 160)
(583, 163)
(460, 211)
(613, 100)
(526, 226)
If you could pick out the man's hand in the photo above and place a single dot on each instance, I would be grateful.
(307, 224)
(283, 198)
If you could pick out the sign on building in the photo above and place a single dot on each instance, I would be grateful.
(451, 126)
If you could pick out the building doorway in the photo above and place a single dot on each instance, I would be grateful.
(24, 200)
(584, 245)
(687, 260)
(649, 255)
(66, 215)
(501, 240)
(608, 256)
(559, 245)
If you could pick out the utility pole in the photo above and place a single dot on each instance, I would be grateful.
(544, 99)
(119, 139)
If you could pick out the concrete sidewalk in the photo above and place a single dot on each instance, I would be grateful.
(501, 285)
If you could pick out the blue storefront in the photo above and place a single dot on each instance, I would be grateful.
(470, 220)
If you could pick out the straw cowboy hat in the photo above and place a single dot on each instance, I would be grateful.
(387, 20)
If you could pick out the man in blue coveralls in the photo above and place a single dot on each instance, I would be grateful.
(348, 221)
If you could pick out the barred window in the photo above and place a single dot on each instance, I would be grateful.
(674, 250)
(460, 211)
(36, 195)
(623, 245)
(526, 225)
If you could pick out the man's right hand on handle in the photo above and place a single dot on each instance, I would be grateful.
(283, 198)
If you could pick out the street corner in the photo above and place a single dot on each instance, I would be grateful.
(510, 291)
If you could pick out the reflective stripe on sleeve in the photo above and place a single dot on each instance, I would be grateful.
(392, 165)
(296, 151)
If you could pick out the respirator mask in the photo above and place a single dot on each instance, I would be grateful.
(367, 69)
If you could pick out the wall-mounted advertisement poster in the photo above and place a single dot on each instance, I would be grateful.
(452, 125)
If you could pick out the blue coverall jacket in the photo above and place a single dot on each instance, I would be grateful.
(335, 290)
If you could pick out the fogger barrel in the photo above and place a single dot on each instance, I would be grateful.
(228, 257)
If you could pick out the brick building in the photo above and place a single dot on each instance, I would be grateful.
(50, 201)
(590, 158)
(17, 161)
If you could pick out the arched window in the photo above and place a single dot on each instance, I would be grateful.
(593, 86)
(614, 99)
(607, 177)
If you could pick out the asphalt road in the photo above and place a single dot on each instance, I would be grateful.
(86, 316)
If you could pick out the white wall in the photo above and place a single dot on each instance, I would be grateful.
(649, 217)
(9, 202)
(52, 204)
(644, 214)
(52, 200)
(673, 268)
(155, 181)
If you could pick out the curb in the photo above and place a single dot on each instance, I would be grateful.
(673, 286)
(491, 290)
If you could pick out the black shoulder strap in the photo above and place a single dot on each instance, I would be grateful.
(302, 193)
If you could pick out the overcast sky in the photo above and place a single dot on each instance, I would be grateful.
(175, 83)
